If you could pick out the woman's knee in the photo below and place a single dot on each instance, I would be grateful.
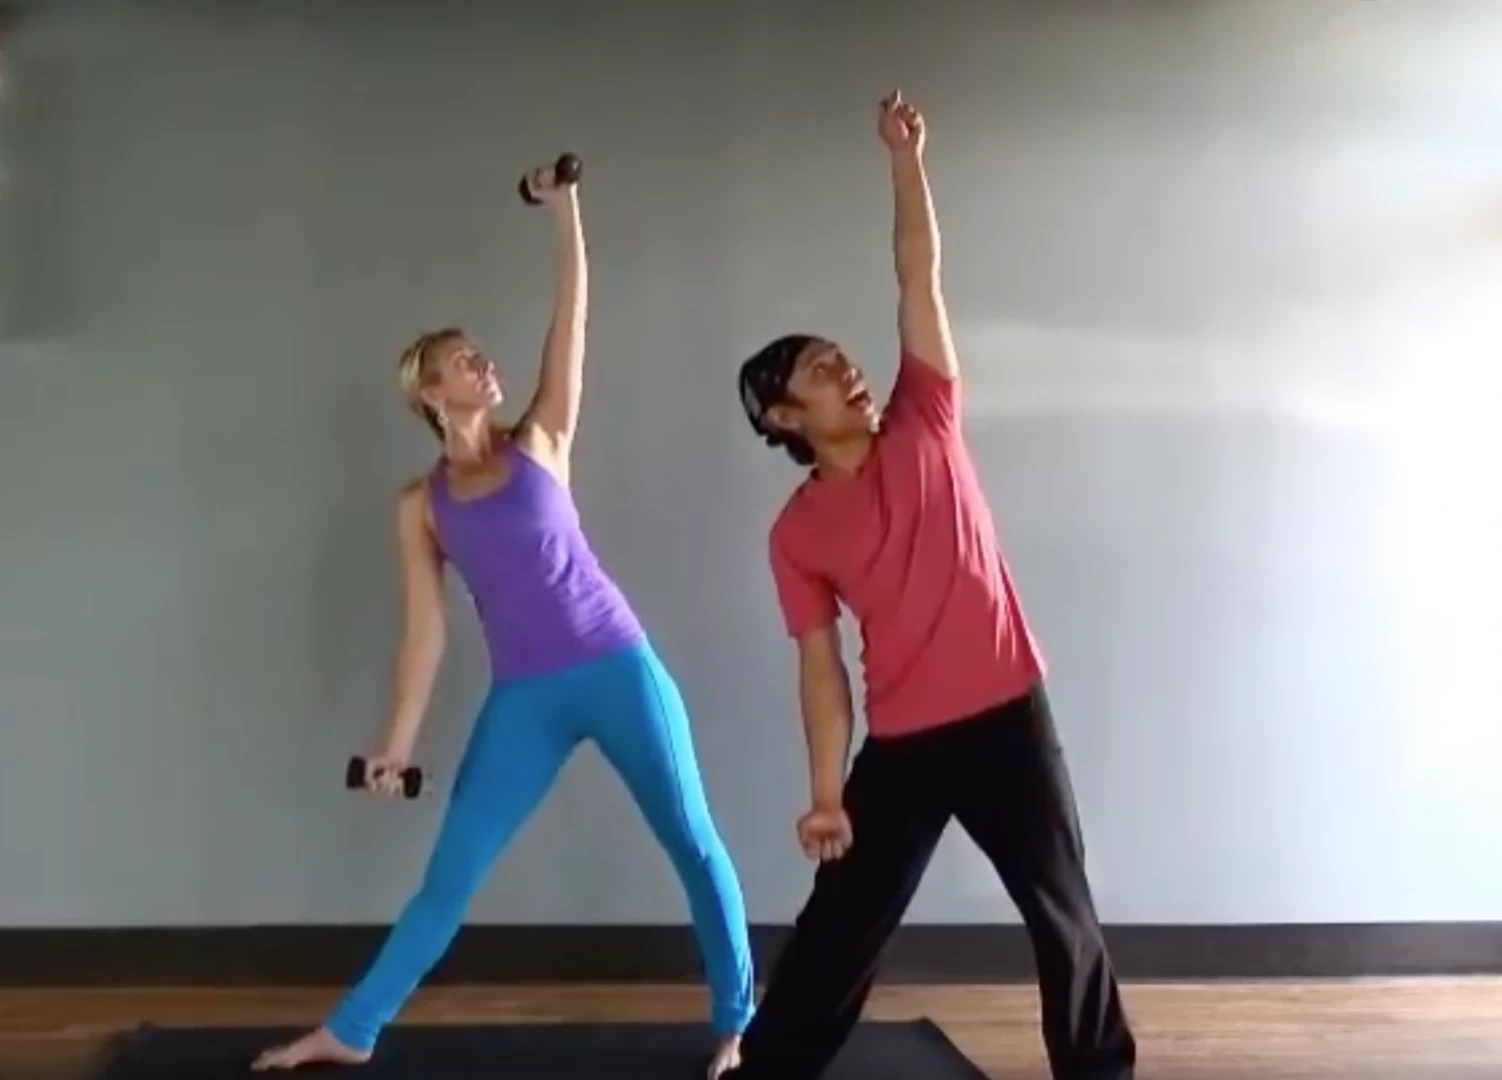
(446, 888)
(453, 873)
(695, 849)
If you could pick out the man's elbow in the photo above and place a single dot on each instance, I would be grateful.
(821, 667)
(918, 276)
(821, 675)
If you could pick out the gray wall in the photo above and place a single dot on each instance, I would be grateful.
(1220, 273)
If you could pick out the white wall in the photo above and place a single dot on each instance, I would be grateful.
(1224, 276)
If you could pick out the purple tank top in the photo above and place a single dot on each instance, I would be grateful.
(543, 599)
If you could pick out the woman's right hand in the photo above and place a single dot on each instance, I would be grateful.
(548, 188)
(383, 772)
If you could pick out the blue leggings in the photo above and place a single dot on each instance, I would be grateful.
(630, 706)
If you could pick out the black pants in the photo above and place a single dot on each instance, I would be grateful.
(1002, 775)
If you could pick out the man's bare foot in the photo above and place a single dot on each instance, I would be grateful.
(728, 1056)
(316, 1047)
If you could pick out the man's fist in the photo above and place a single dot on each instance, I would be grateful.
(824, 833)
(900, 124)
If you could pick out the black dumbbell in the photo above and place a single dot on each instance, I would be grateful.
(566, 170)
(354, 778)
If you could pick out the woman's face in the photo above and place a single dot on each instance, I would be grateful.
(460, 377)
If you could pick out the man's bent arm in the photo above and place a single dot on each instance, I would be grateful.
(824, 694)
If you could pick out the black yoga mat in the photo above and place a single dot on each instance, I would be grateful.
(876, 1051)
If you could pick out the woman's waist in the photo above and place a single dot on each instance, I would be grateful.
(539, 622)
(520, 651)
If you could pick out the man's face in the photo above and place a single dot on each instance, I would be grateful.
(827, 397)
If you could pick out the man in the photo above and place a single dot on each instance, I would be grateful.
(892, 522)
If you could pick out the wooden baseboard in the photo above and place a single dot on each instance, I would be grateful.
(918, 954)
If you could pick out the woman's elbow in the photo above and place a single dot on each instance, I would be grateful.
(425, 636)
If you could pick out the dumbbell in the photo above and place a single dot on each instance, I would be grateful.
(354, 778)
(566, 170)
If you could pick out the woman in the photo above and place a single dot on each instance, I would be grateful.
(569, 662)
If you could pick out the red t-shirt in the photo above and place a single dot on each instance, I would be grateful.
(909, 546)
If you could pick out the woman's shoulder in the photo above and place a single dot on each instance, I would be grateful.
(419, 487)
(414, 498)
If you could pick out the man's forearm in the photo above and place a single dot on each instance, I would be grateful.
(915, 233)
(827, 712)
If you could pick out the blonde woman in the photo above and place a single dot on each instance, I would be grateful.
(569, 661)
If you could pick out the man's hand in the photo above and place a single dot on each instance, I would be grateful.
(824, 833)
(900, 125)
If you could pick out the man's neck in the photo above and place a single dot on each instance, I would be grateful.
(842, 460)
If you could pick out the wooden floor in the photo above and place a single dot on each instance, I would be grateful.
(1414, 1030)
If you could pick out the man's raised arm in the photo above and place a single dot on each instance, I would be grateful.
(922, 321)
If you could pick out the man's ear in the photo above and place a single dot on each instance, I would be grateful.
(782, 418)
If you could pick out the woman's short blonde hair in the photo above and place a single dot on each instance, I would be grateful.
(414, 371)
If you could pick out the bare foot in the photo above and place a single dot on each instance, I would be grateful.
(728, 1056)
(316, 1047)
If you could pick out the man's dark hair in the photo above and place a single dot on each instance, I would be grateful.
(764, 383)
